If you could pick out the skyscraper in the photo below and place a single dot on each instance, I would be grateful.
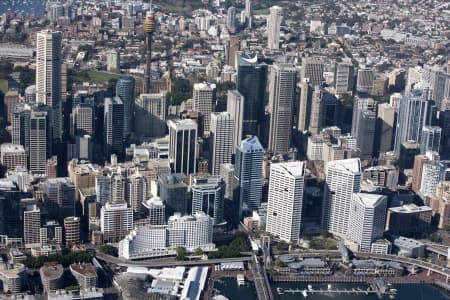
(343, 78)
(281, 102)
(273, 28)
(208, 196)
(235, 106)
(113, 126)
(316, 117)
(249, 13)
(367, 220)
(59, 196)
(116, 221)
(103, 189)
(48, 76)
(150, 118)
(284, 209)
(251, 83)
(137, 189)
(385, 127)
(430, 139)
(221, 138)
(204, 98)
(343, 178)
(412, 112)
(82, 120)
(38, 143)
(21, 127)
(364, 82)
(304, 108)
(248, 176)
(312, 70)
(125, 91)
(183, 146)
(231, 18)
(363, 125)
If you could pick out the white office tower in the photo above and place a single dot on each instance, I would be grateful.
(183, 146)
(343, 178)
(433, 171)
(156, 211)
(150, 115)
(412, 116)
(284, 209)
(312, 70)
(227, 173)
(137, 192)
(248, 176)
(249, 13)
(116, 221)
(103, 189)
(32, 226)
(208, 196)
(190, 232)
(273, 28)
(231, 18)
(430, 139)
(84, 147)
(364, 82)
(38, 143)
(48, 76)
(82, 120)
(113, 61)
(415, 75)
(282, 83)
(366, 221)
(235, 106)
(118, 188)
(221, 139)
(343, 78)
(204, 97)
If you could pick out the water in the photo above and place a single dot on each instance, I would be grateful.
(229, 288)
(405, 292)
(27, 7)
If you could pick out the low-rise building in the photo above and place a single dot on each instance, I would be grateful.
(52, 276)
(409, 247)
(85, 274)
(13, 278)
(409, 220)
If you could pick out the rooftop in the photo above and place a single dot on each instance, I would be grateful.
(87, 270)
(410, 209)
(4, 148)
(293, 168)
(52, 270)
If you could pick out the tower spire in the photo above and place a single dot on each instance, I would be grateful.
(149, 29)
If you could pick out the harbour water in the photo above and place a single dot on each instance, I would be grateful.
(27, 7)
(228, 288)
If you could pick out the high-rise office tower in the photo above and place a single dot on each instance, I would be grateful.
(156, 210)
(343, 178)
(82, 120)
(48, 76)
(21, 127)
(31, 226)
(367, 220)
(137, 190)
(221, 139)
(251, 83)
(235, 106)
(72, 230)
(343, 78)
(59, 196)
(364, 81)
(103, 189)
(113, 126)
(10, 100)
(316, 117)
(208, 196)
(175, 193)
(248, 176)
(304, 108)
(227, 173)
(149, 28)
(273, 27)
(386, 116)
(113, 61)
(118, 188)
(231, 18)
(38, 143)
(284, 209)
(363, 125)
(430, 139)
(125, 91)
(412, 112)
(116, 221)
(249, 13)
(204, 97)
(419, 161)
(150, 118)
(183, 146)
(282, 85)
(233, 47)
(312, 70)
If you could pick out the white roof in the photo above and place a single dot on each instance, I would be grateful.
(11, 148)
(292, 168)
(352, 165)
(369, 200)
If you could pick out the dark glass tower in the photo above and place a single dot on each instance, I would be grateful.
(125, 90)
(251, 83)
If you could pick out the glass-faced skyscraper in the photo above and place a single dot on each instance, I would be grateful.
(248, 176)
(125, 90)
(251, 83)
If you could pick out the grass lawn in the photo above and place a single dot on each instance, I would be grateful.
(264, 11)
(93, 76)
(4, 85)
